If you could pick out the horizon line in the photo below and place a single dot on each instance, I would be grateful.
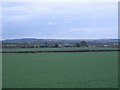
(58, 38)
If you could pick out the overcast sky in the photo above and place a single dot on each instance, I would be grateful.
(60, 20)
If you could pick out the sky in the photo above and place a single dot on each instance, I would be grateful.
(60, 20)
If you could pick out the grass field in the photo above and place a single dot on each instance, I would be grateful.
(61, 70)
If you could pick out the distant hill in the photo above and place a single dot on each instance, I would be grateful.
(19, 40)
(33, 39)
(31, 43)
(59, 41)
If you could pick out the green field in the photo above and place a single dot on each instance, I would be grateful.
(61, 70)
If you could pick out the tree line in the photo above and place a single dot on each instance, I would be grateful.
(46, 44)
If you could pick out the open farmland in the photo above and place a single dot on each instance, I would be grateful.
(57, 50)
(61, 70)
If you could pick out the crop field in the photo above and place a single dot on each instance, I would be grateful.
(61, 70)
